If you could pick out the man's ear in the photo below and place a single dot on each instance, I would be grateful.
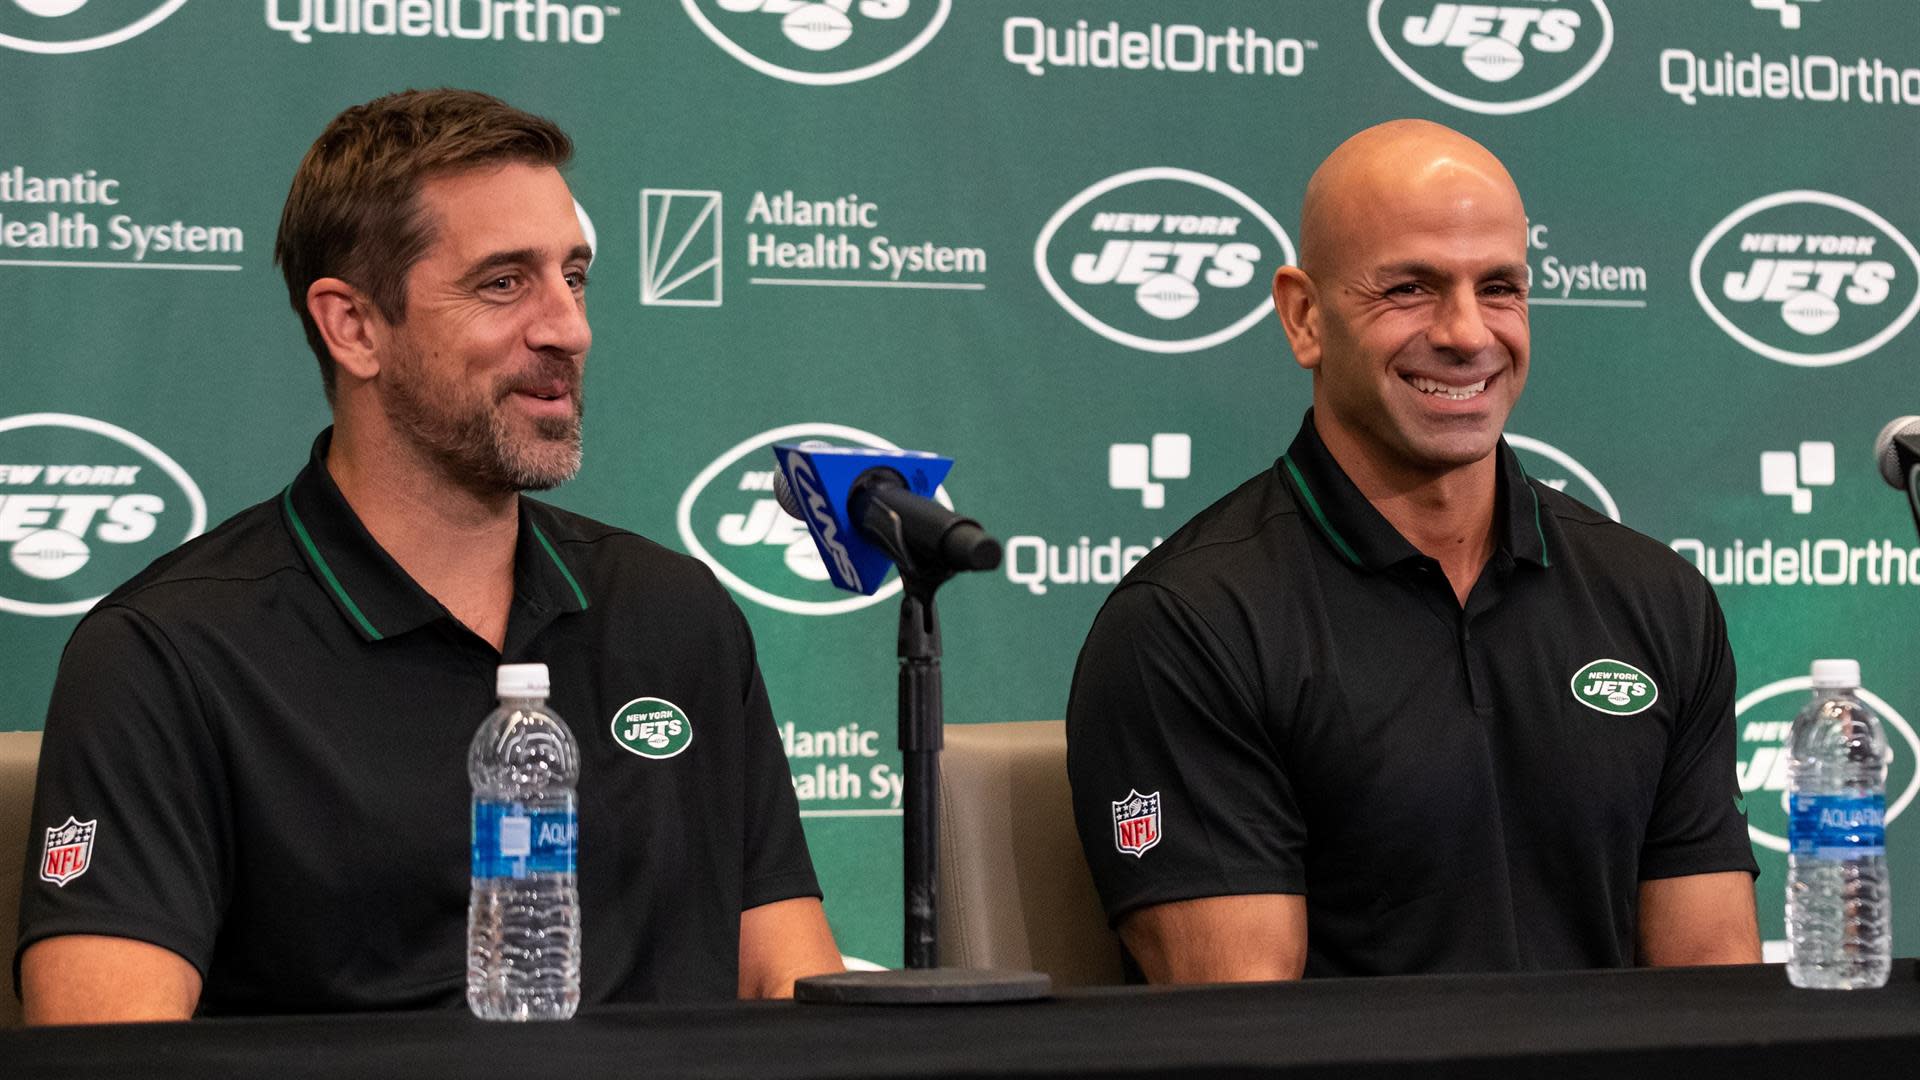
(1297, 302)
(352, 326)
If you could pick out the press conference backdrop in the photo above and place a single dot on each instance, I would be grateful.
(1035, 235)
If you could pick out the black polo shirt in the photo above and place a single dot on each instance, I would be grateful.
(268, 729)
(1287, 697)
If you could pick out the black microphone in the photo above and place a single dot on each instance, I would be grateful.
(1897, 450)
(919, 534)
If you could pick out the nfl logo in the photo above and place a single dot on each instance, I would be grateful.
(1136, 823)
(69, 851)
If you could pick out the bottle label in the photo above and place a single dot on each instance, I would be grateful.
(1838, 826)
(513, 840)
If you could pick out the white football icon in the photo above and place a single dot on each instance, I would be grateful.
(818, 27)
(803, 558)
(51, 9)
(1493, 59)
(1810, 313)
(1167, 296)
(49, 554)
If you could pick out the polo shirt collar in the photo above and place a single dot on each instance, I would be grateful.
(1363, 537)
(372, 592)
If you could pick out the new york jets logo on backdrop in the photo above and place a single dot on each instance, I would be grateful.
(1807, 278)
(71, 26)
(1558, 470)
(1616, 687)
(820, 44)
(1494, 58)
(728, 519)
(1764, 718)
(83, 505)
(652, 728)
(1162, 259)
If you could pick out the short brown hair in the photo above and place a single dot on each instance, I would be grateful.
(353, 211)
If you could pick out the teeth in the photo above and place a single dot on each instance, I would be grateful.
(1451, 393)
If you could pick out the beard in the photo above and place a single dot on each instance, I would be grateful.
(470, 434)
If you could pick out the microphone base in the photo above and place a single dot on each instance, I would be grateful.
(924, 986)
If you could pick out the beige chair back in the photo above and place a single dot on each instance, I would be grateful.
(1015, 891)
(19, 758)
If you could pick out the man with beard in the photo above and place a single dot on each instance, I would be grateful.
(1391, 706)
(262, 738)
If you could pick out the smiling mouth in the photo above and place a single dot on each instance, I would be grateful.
(1439, 389)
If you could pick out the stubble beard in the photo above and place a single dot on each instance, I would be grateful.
(473, 442)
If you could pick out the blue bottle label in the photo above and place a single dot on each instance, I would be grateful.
(1838, 826)
(513, 840)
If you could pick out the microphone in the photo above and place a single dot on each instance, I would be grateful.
(1897, 449)
(866, 508)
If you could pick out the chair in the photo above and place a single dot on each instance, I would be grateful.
(1015, 891)
(19, 758)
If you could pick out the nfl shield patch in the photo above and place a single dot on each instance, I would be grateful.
(1136, 823)
(69, 851)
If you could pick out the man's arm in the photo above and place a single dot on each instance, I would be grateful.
(89, 979)
(784, 941)
(1698, 919)
(1253, 938)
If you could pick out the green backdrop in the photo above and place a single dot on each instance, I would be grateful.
(1034, 235)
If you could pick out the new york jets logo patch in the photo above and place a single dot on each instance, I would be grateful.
(1615, 687)
(652, 727)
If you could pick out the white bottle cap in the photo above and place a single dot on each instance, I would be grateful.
(522, 681)
(1836, 674)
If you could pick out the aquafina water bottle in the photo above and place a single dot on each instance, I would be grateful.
(523, 921)
(1839, 928)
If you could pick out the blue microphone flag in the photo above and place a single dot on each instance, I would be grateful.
(822, 477)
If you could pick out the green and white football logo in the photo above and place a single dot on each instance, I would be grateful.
(1615, 687)
(652, 727)
(820, 44)
(1493, 59)
(1558, 470)
(1807, 278)
(71, 26)
(1765, 717)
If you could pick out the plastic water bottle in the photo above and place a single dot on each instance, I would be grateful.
(523, 922)
(1839, 922)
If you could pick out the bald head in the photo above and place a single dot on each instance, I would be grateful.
(1389, 165)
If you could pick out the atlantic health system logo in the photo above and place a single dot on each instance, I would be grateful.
(83, 505)
(1807, 278)
(820, 44)
(1494, 59)
(1162, 259)
(71, 26)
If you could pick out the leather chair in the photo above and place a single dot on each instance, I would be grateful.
(19, 759)
(1015, 891)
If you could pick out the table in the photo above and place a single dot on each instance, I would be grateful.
(1739, 1022)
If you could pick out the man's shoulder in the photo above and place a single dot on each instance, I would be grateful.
(1239, 539)
(617, 558)
(229, 561)
(1613, 550)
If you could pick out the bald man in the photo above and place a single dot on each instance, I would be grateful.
(1391, 706)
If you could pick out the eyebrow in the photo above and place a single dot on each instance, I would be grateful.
(501, 260)
(1416, 268)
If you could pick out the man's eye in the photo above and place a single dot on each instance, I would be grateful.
(577, 279)
(503, 283)
(1405, 288)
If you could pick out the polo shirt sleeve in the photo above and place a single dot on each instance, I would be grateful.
(777, 865)
(1164, 721)
(127, 750)
(1697, 825)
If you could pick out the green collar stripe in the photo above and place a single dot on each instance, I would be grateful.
(300, 530)
(1313, 507)
(1537, 530)
(564, 572)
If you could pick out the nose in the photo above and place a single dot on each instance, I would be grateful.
(1459, 326)
(560, 319)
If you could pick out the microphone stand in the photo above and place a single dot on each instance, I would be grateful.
(922, 981)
